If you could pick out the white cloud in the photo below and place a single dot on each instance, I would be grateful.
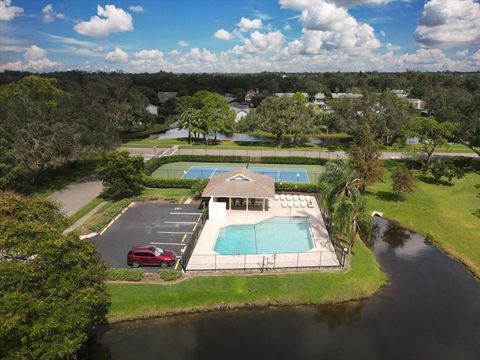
(449, 23)
(35, 60)
(350, 3)
(383, 33)
(287, 27)
(182, 43)
(329, 27)
(174, 52)
(150, 61)
(8, 11)
(116, 56)
(49, 15)
(136, 8)
(462, 53)
(249, 24)
(223, 34)
(259, 43)
(109, 20)
(34, 53)
(391, 47)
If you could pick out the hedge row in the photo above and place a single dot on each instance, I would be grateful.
(187, 184)
(125, 274)
(154, 163)
(168, 183)
(109, 214)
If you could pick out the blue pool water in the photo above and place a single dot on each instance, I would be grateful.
(273, 236)
(277, 174)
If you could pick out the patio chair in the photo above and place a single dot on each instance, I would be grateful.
(277, 197)
(237, 202)
(289, 204)
(302, 204)
(289, 197)
(284, 205)
(296, 204)
(310, 204)
(295, 197)
(282, 197)
(301, 197)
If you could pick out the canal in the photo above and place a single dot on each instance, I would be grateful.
(429, 310)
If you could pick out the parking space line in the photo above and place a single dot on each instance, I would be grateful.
(174, 232)
(180, 213)
(176, 265)
(184, 237)
(164, 243)
(180, 222)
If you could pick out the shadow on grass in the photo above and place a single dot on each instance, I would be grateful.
(385, 195)
(476, 213)
(431, 180)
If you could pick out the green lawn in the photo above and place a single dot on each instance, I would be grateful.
(176, 169)
(86, 209)
(222, 145)
(207, 292)
(450, 213)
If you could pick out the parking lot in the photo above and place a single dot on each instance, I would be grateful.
(168, 226)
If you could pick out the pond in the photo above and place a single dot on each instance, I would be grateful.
(177, 133)
(430, 310)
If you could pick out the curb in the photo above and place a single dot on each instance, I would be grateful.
(116, 218)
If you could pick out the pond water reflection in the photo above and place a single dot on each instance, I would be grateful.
(430, 310)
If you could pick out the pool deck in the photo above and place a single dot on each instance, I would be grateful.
(321, 255)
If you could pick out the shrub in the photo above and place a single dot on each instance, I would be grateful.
(429, 238)
(298, 187)
(165, 183)
(292, 160)
(169, 274)
(403, 181)
(108, 215)
(198, 186)
(125, 274)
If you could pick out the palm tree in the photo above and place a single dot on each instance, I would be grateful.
(343, 203)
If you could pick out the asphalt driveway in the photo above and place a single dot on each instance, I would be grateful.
(166, 225)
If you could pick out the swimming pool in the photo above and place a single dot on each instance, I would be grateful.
(273, 236)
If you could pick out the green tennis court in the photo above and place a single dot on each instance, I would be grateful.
(181, 168)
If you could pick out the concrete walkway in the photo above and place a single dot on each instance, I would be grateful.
(84, 218)
(75, 196)
(148, 153)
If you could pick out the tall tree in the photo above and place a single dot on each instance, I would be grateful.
(51, 286)
(403, 181)
(344, 204)
(121, 173)
(430, 133)
(365, 154)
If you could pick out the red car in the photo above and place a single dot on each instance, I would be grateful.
(150, 255)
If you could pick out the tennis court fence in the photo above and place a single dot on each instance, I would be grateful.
(206, 174)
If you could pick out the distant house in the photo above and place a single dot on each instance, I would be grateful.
(289, 95)
(400, 93)
(229, 98)
(241, 110)
(346, 96)
(418, 104)
(163, 96)
(152, 109)
(319, 98)
(250, 95)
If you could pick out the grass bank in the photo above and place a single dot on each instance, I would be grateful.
(222, 145)
(451, 213)
(203, 293)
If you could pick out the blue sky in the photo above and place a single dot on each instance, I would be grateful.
(237, 36)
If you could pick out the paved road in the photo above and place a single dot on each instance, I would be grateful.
(75, 196)
(148, 153)
(165, 225)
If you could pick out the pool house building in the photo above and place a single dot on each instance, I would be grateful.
(251, 228)
(239, 189)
